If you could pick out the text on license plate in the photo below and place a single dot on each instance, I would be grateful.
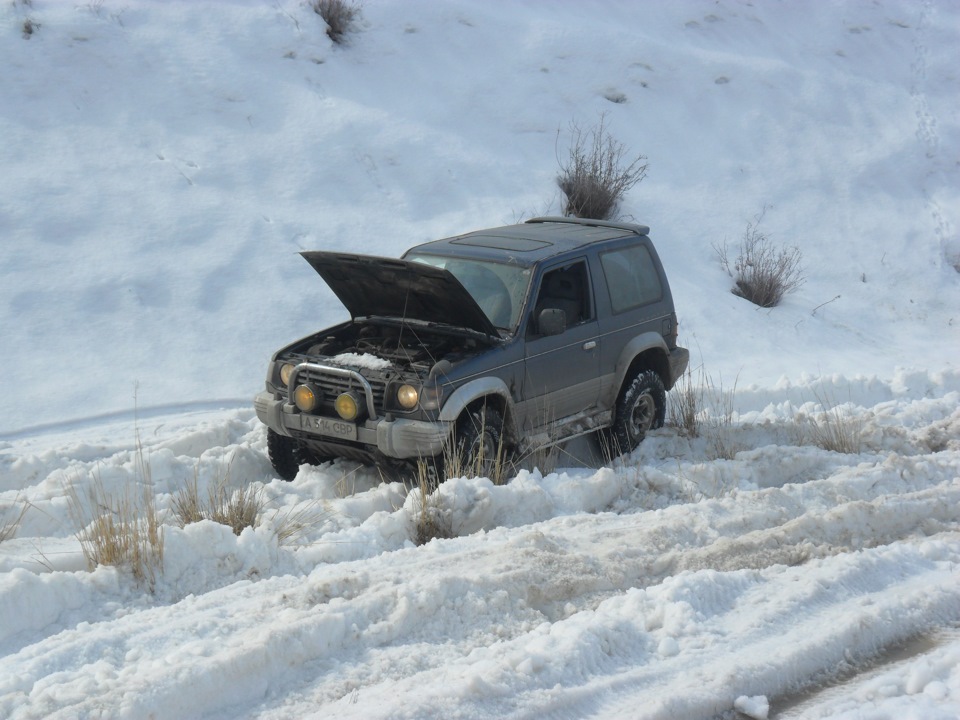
(329, 426)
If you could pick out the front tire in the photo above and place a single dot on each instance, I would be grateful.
(479, 445)
(642, 407)
(286, 455)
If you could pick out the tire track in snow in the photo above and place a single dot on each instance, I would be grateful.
(362, 624)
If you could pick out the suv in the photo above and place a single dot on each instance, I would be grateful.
(513, 338)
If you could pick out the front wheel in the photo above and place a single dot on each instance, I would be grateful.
(479, 445)
(287, 455)
(641, 408)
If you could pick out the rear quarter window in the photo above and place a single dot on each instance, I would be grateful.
(632, 278)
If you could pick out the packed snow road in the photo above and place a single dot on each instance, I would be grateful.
(671, 584)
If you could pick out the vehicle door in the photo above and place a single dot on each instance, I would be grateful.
(562, 355)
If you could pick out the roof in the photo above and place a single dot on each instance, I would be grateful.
(531, 241)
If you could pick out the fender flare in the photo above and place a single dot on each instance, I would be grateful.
(474, 390)
(631, 351)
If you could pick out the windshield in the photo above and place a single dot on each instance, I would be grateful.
(498, 288)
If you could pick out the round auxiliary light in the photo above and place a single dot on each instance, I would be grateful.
(347, 406)
(408, 397)
(286, 370)
(305, 398)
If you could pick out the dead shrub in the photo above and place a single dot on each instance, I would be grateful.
(30, 26)
(597, 172)
(339, 16)
(762, 272)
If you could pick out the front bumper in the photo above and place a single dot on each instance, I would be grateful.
(394, 438)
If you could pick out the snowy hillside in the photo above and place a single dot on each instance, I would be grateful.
(164, 163)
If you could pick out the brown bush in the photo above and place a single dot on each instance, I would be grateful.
(597, 172)
(339, 16)
(762, 272)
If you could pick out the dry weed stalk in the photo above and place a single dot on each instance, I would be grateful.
(686, 401)
(9, 525)
(720, 424)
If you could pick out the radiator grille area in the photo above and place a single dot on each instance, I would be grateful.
(333, 385)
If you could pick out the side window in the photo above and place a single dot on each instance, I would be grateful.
(566, 288)
(632, 278)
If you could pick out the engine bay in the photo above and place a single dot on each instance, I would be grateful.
(403, 346)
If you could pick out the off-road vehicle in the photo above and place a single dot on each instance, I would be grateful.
(508, 339)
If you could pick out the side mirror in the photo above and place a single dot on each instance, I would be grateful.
(551, 321)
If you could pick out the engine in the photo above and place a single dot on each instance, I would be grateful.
(402, 346)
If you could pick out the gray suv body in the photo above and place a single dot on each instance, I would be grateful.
(519, 336)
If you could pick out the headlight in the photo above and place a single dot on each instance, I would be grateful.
(348, 406)
(305, 398)
(285, 372)
(408, 397)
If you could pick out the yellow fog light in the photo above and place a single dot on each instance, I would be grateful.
(408, 397)
(285, 372)
(305, 398)
(347, 406)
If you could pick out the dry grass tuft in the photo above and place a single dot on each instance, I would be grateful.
(458, 462)
(685, 402)
(291, 524)
(832, 429)
(244, 507)
(237, 508)
(431, 521)
(720, 427)
(122, 531)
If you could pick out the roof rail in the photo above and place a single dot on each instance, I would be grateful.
(632, 227)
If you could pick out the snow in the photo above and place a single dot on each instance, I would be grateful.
(360, 360)
(164, 163)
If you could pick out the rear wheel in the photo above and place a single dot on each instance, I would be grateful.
(642, 407)
(287, 455)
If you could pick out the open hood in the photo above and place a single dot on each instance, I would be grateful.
(369, 285)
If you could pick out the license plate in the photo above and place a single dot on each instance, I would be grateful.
(329, 426)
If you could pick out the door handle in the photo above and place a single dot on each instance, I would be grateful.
(590, 345)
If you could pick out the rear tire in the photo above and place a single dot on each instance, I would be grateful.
(286, 455)
(642, 407)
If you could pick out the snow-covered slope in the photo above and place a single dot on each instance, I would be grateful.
(163, 163)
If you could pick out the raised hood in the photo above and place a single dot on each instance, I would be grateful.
(369, 285)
